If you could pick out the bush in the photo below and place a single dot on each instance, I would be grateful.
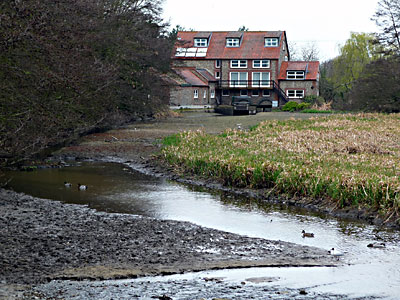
(303, 106)
(290, 106)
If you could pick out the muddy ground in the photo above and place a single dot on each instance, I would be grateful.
(41, 240)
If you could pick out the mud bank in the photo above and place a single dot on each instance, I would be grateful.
(42, 240)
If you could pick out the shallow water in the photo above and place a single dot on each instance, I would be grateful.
(117, 188)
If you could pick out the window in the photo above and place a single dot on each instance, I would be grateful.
(212, 94)
(238, 79)
(266, 93)
(205, 94)
(254, 93)
(232, 42)
(271, 42)
(200, 42)
(243, 92)
(238, 63)
(260, 79)
(218, 63)
(295, 75)
(196, 94)
(261, 63)
(225, 92)
(217, 75)
(295, 93)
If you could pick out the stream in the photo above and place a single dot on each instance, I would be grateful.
(118, 188)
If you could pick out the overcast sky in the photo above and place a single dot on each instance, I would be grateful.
(328, 23)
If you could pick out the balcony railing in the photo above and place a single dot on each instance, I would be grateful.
(245, 83)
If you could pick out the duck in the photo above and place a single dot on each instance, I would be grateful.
(82, 187)
(376, 245)
(335, 253)
(67, 184)
(307, 234)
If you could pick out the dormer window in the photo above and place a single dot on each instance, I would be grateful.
(232, 42)
(295, 75)
(271, 42)
(200, 42)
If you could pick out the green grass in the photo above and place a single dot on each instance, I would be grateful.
(352, 160)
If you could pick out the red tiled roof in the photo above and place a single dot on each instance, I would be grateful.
(252, 45)
(310, 67)
(191, 76)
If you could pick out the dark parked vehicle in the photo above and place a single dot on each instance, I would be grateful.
(250, 105)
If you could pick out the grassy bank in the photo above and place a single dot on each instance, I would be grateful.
(351, 159)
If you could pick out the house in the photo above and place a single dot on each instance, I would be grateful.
(212, 67)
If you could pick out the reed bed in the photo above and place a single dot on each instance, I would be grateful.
(353, 160)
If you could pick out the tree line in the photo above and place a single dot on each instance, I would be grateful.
(70, 66)
(366, 74)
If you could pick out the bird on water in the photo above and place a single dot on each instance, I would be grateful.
(82, 187)
(307, 234)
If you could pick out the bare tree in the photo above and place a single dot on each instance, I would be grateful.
(387, 17)
(310, 52)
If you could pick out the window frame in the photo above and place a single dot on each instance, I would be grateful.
(266, 93)
(239, 80)
(253, 94)
(261, 63)
(241, 64)
(195, 94)
(218, 64)
(261, 80)
(205, 94)
(295, 75)
(200, 42)
(225, 93)
(232, 42)
(295, 93)
(271, 42)
(217, 74)
(212, 94)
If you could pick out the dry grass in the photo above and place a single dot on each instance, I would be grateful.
(350, 159)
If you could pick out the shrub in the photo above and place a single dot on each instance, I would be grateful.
(303, 106)
(290, 106)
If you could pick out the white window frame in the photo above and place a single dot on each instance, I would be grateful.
(200, 42)
(225, 92)
(261, 64)
(217, 63)
(217, 75)
(296, 94)
(295, 75)
(253, 93)
(244, 93)
(241, 81)
(212, 94)
(238, 64)
(195, 94)
(271, 42)
(232, 42)
(260, 82)
(205, 94)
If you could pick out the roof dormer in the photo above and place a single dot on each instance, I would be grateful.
(271, 42)
(233, 39)
(201, 39)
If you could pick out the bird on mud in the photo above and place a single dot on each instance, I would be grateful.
(82, 187)
(335, 253)
(376, 245)
(67, 184)
(307, 234)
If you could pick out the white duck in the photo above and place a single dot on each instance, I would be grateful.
(82, 187)
(335, 253)
(67, 184)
